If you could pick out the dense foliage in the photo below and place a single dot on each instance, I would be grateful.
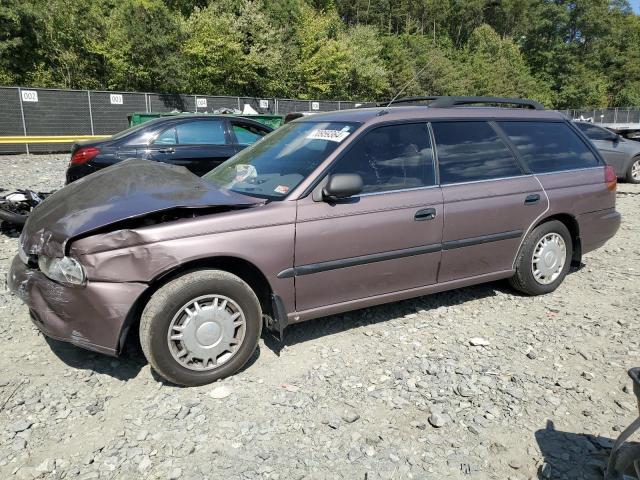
(565, 53)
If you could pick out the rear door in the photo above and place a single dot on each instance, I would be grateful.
(489, 199)
(200, 145)
(385, 240)
(610, 146)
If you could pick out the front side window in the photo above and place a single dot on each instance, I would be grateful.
(472, 151)
(549, 146)
(393, 157)
(204, 132)
(247, 134)
(277, 164)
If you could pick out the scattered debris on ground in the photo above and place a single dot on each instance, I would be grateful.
(474, 383)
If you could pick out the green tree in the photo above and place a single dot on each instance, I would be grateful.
(367, 76)
(142, 47)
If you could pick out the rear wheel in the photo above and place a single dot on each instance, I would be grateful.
(544, 259)
(200, 327)
(633, 173)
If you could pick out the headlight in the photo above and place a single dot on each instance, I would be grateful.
(64, 270)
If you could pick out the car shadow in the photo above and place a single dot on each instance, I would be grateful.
(122, 368)
(125, 367)
(331, 325)
(9, 230)
(572, 455)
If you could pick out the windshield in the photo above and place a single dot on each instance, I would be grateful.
(275, 165)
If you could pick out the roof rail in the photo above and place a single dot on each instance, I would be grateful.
(408, 100)
(444, 102)
(448, 102)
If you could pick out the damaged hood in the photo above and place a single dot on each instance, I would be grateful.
(129, 189)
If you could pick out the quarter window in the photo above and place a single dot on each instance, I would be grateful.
(388, 158)
(472, 151)
(205, 132)
(549, 146)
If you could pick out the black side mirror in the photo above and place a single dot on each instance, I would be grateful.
(342, 185)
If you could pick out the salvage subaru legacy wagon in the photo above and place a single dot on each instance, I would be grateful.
(330, 213)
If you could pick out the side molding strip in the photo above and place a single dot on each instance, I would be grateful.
(362, 260)
(494, 237)
(394, 254)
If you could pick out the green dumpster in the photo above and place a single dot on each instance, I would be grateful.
(136, 118)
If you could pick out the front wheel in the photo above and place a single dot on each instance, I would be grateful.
(200, 327)
(544, 259)
(633, 173)
(626, 460)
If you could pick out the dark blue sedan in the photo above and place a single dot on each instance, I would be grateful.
(196, 142)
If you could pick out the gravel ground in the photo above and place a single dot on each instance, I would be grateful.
(473, 383)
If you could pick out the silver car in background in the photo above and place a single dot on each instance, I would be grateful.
(621, 153)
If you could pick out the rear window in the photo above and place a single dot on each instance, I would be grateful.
(549, 146)
(472, 151)
(594, 132)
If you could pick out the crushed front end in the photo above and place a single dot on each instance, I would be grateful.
(90, 315)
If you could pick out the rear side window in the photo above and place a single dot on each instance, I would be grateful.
(549, 146)
(205, 132)
(395, 157)
(472, 151)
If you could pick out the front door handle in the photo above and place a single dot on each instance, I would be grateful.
(167, 150)
(531, 199)
(425, 214)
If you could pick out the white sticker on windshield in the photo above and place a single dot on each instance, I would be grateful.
(331, 135)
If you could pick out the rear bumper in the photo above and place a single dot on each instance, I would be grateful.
(75, 172)
(596, 228)
(90, 317)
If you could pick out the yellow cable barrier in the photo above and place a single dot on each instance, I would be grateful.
(49, 138)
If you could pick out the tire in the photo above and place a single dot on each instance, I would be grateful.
(633, 172)
(11, 217)
(524, 279)
(172, 309)
(627, 455)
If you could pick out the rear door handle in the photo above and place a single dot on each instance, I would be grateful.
(167, 150)
(531, 199)
(425, 214)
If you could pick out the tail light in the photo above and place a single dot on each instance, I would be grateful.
(610, 177)
(83, 155)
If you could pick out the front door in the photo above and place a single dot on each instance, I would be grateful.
(385, 240)
(489, 202)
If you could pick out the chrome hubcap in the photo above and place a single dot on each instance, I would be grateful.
(635, 170)
(206, 332)
(548, 259)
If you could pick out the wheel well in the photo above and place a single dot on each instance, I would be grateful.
(237, 266)
(574, 229)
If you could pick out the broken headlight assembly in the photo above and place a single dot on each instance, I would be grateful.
(65, 270)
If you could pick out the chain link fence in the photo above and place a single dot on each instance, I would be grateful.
(620, 115)
(42, 111)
